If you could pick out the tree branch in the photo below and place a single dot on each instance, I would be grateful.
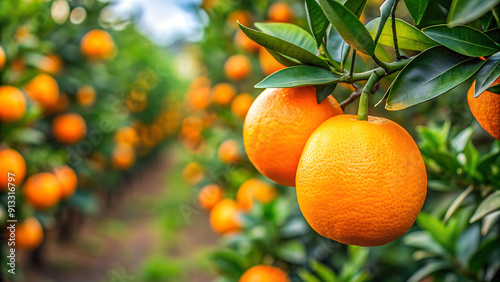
(394, 33)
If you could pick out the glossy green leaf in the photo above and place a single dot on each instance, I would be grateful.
(416, 9)
(291, 251)
(468, 243)
(494, 34)
(285, 47)
(284, 60)
(435, 227)
(487, 74)
(460, 141)
(348, 26)
(466, 11)
(483, 253)
(428, 269)
(430, 74)
(423, 240)
(336, 46)
(323, 271)
(494, 89)
(355, 6)
(463, 39)
(290, 33)
(457, 202)
(318, 23)
(385, 12)
(409, 37)
(323, 91)
(488, 205)
(489, 221)
(298, 76)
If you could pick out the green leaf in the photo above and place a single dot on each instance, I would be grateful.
(468, 243)
(483, 253)
(284, 60)
(317, 20)
(430, 74)
(461, 139)
(355, 6)
(298, 76)
(290, 33)
(463, 39)
(323, 271)
(336, 46)
(457, 202)
(323, 91)
(494, 34)
(436, 228)
(494, 89)
(307, 277)
(466, 11)
(228, 261)
(423, 240)
(487, 74)
(488, 205)
(428, 269)
(284, 47)
(291, 251)
(416, 9)
(409, 37)
(348, 26)
(385, 12)
(489, 221)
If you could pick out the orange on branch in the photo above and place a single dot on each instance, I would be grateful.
(123, 156)
(11, 162)
(255, 190)
(13, 104)
(67, 179)
(237, 67)
(229, 152)
(264, 273)
(486, 109)
(97, 44)
(44, 90)
(241, 104)
(29, 234)
(69, 128)
(42, 190)
(210, 195)
(224, 217)
(86, 95)
(223, 93)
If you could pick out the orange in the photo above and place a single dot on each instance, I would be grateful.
(18, 64)
(69, 128)
(486, 109)
(3, 58)
(268, 63)
(242, 16)
(44, 90)
(97, 44)
(42, 190)
(191, 129)
(255, 189)
(29, 234)
(361, 182)
(127, 135)
(67, 180)
(85, 96)
(11, 161)
(264, 273)
(224, 217)
(13, 104)
(277, 127)
(210, 195)
(51, 64)
(229, 152)
(237, 67)
(280, 12)
(241, 40)
(123, 156)
(193, 173)
(241, 104)
(198, 94)
(223, 93)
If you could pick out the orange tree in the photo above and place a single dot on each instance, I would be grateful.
(82, 107)
(361, 180)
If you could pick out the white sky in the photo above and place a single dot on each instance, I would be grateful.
(165, 21)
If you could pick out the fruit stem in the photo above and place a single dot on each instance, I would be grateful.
(381, 72)
(394, 34)
(352, 62)
(363, 101)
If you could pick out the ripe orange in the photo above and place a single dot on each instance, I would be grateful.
(210, 195)
(51, 64)
(361, 182)
(44, 90)
(277, 127)
(3, 58)
(29, 234)
(268, 63)
(13, 104)
(237, 67)
(223, 93)
(193, 173)
(241, 40)
(11, 161)
(97, 44)
(85, 96)
(67, 180)
(224, 217)
(127, 135)
(42, 190)
(242, 16)
(486, 109)
(123, 156)
(255, 189)
(241, 104)
(280, 12)
(229, 152)
(264, 273)
(198, 94)
(69, 128)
